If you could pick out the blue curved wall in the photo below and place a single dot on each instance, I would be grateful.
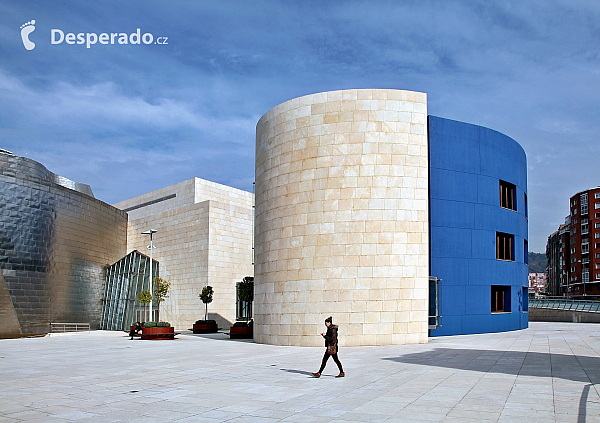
(467, 163)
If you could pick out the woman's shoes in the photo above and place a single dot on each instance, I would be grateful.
(342, 374)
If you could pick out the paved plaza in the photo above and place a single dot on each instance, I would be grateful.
(549, 372)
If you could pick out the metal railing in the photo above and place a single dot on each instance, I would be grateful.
(69, 327)
(562, 303)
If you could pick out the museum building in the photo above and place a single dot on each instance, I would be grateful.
(398, 224)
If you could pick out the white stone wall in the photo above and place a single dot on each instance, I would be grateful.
(342, 219)
(204, 238)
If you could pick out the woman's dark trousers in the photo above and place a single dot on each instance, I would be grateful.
(335, 358)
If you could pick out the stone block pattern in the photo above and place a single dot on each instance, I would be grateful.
(342, 219)
(204, 238)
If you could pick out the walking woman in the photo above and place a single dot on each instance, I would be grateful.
(331, 345)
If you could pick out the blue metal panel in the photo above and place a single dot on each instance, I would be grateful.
(450, 242)
(453, 214)
(467, 163)
(483, 244)
(452, 271)
(456, 186)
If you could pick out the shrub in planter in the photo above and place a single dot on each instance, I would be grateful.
(241, 330)
(205, 326)
(158, 331)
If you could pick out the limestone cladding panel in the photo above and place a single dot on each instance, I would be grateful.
(342, 219)
(184, 195)
(188, 247)
(187, 192)
(229, 256)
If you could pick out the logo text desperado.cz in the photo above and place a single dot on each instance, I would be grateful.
(90, 38)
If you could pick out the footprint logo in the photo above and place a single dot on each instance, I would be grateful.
(26, 29)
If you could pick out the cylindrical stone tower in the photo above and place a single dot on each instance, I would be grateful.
(341, 219)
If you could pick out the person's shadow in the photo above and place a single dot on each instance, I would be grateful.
(301, 372)
(569, 367)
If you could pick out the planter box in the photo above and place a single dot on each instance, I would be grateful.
(241, 332)
(205, 328)
(158, 333)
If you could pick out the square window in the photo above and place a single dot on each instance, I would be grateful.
(596, 225)
(505, 246)
(500, 299)
(597, 235)
(597, 195)
(507, 195)
(597, 205)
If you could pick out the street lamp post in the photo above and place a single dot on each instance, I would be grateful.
(150, 232)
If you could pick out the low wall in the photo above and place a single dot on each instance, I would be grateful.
(552, 315)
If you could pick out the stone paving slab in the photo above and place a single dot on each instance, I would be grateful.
(549, 372)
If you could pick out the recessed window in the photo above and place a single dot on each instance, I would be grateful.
(500, 299)
(525, 252)
(597, 195)
(505, 246)
(597, 225)
(507, 195)
(525, 297)
(525, 203)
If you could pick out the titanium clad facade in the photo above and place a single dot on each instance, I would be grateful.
(55, 242)
(478, 222)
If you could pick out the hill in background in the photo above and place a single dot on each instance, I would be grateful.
(537, 262)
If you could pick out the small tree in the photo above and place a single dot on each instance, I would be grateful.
(161, 291)
(206, 296)
(245, 291)
(145, 297)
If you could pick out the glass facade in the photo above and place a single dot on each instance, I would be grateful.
(124, 281)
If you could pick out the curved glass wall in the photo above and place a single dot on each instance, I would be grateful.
(124, 281)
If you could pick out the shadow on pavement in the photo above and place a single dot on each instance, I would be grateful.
(568, 367)
(301, 372)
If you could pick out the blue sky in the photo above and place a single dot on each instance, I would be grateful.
(128, 119)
